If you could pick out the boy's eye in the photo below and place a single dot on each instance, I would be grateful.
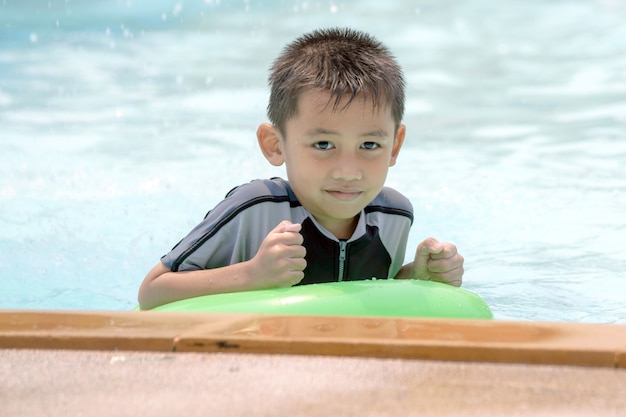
(370, 145)
(323, 145)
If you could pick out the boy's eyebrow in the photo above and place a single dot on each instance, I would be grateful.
(378, 133)
(320, 131)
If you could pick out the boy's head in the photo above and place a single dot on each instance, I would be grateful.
(336, 105)
(344, 62)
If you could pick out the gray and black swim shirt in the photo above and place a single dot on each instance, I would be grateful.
(233, 232)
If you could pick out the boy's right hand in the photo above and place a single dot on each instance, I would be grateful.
(280, 260)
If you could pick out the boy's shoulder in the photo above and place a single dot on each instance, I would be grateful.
(390, 202)
(251, 194)
(389, 197)
(273, 188)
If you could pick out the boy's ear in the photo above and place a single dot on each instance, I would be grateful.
(397, 144)
(270, 143)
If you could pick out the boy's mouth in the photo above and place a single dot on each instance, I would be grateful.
(344, 195)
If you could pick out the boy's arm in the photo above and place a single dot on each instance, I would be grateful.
(279, 262)
(435, 261)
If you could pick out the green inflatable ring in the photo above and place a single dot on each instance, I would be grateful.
(390, 298)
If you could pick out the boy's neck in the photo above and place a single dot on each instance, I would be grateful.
(342, 229)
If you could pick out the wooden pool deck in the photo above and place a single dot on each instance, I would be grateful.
(147, 363)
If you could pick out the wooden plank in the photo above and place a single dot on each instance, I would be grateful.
(89, 330)
(437, 339)
(456, 340)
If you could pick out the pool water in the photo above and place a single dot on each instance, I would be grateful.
(122, 123)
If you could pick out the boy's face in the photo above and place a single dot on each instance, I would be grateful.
(337, 159)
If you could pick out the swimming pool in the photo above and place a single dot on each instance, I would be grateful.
(122, 123)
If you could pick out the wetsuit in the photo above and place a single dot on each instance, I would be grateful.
(233, 231)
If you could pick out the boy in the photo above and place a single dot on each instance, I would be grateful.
(336, 106)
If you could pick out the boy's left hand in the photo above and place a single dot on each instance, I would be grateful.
(438, 261)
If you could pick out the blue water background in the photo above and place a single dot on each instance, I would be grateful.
(123, 122)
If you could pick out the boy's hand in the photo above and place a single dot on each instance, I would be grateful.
(438, 261)
(280, 260)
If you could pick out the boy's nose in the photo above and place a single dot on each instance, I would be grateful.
(347, 168)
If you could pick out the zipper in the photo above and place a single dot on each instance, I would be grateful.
(342, 259)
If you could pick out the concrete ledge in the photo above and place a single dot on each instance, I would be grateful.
(436, 339)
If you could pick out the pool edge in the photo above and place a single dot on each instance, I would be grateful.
(546, 343)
